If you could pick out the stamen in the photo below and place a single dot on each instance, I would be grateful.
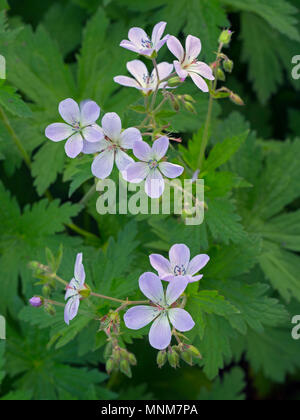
(180, 270)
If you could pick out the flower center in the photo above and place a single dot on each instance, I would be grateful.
(146, 43)
(148, 79)
(153, 164)
(180, 270)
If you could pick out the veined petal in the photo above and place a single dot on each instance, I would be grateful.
(140, 316)
(71, 289)
(123, 160)
(179, 255)
(160, 148)
(74, 145)
(199, 82)
(204, 70)
(157, 32)
(71, 309)
(180, 71)
(160, 332)
(136, 172)
(175, 289)
(58, 131)
(161, 43)
(197, 263)
(175, 47)
(93, 133)
(164, 70)
(155, 184)
(129, 46)
(181, 319)
(127, 81)
(142, 151)
(102, 165)
(90, 148)
(152, 288)
(192, 279)
(111, 125)
(70, 112)
(170, 170)
(79, 272)
(193, 47)
(129, 137)
(90, 112)
(139, 71)
(160, 264)
(138, 36)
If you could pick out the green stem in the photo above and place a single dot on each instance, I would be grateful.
(205, 133)
(82, 232)
(123, 302)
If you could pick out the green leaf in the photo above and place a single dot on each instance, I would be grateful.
(78, 171)
(230, 388)
(12, 102)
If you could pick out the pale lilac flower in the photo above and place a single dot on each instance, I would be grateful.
(80, 128)
(179, 264)
(142, 80)
(140, 42)
(161, 311)
(36, 301)
(74, 288)
(187, 64)
(114, 146)
(151, 168)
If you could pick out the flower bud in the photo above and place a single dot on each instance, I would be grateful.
(132, 359)
(161, 358)
(116, 354)
(110, 364)
(187, 357)
(36, 301)
(108, 350)
(46, 290)
(225, 36)
(194, 352)
(189, 98)
(236, 99)
(189, 107)
(228, 65)
(125, 368)
(221, 75)
(50, 309)
(174, 81)
(173, 358)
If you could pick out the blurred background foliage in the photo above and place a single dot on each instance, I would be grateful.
(59, 49)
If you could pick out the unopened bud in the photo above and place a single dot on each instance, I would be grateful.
(116, 354)
(125, 368)
(108, 350)
(221, 75)
(173, 358)
(36, 301)
(46, 290)
(187, 357)
(132, 359)
(33, 265)
(194, 352)
(175, 104)
(225, 36)
(161, 358)
(189, 98)
(110, 364)
(50, 309)
(189, 107)
(174, 81)
(236, 99)
(228, 66)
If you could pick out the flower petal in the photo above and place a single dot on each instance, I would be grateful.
(79, 272)
(164, 70)
(90, 112)
(192, 279)
(192, 47)
(197, 263)
(180, 255)
(71, 289)
(151, 286)
(155, 184)
(127, 81)
(180, 71)
(70, 112)
(129, 46)
(139, 71)
(71, 309)
(102, 165)
(204, 70)
(175, 47)
(137, 172)
(129, 137)
(142, 151)
(175, 289)
(123, 160)
(181, 319)
(137, 36)
(93, 133)
(160, 264)
(74, 145)
(160, 148)
(157, 32)
(111, 125)
(160, 333)
(140, 316)
(90, 148)
(199, 82)
(170, 170)
(58, 131)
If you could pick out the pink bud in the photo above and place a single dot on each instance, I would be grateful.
(36, 301)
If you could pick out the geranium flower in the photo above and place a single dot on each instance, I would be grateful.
(140, 42)
(80, 128)
(151, 168)
(180, 264)
(114, 145)
(142, 80)
(161, 311)
(74, 288)
(188, 65)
